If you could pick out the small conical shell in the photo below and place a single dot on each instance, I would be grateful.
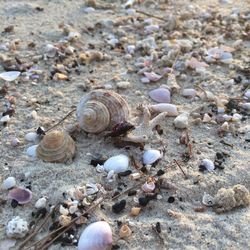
(125, 231)
(56, 146)
(100, 110)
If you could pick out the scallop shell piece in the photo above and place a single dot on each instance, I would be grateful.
(100, 110)
(160, 95)
(56, 146)
(118, 163)
(21, 195)
(171, 109)
(150, 156)
(96, 236)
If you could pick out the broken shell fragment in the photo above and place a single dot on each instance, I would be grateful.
(64, 220)
(96, 236)
(31, 151)
(125, 231)
(160, 95)
(21, 195)
(8, 183)
(152, 155)
(17, 228)
(41, 203)
(207, 200)
(135, 211)
(148, 187)
(100, 110)
(118, 163)
(31, 137)
(171, 109)
(189, 93)
(56, 146)
(10, 75)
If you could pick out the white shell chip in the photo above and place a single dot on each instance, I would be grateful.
(118, 163)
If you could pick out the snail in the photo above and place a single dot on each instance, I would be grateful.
(56, 146)
(100, 110)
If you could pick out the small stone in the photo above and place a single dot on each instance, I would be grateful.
(64, 220)
(41, 203)
(15, 142)
(181, 121)
(135, 211)
(31, 151)
(119, 206)
(31, 137)
(225, 127)
(206, 118)
(8, 183)
(73, 209)
(123, 85)
(171, 199)
(5, 119)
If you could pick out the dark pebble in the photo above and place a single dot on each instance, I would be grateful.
(14, 203)
(202, 168)
(114, 247)
(41, 212)
(54, 226)
(40, 131)
(132, 192)
(171, 199)
(160, 172)
(119, 206)
(125, 173)
(219, 156)
(143, 169)
(158, 227)
(143, 201)
(98, 159)
(115, 194)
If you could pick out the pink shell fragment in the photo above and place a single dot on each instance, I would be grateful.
(161, 95)
(21, 195)
(194, 63)
(153, 77)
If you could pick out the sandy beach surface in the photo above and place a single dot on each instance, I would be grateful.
(54, 78)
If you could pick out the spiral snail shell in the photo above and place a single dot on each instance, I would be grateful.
(56, 146)
(100, 110)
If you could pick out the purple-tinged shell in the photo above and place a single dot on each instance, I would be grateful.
(161, 95)
(21, 195)
(189, 93)
(152, 76)
(96, 236)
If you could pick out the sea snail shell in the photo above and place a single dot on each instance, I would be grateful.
(56, 146)
(96, 236)
(100, 110)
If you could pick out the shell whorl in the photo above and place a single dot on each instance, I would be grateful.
(56, 146)
(100, 110)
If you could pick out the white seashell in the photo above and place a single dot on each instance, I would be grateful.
(31, 151)
(208, 164)
(89, 10)
(227, 117)
(246, 106)
(189, 92)
(247, 93)
(10, 75)
(41, 203)
(8, 183)
(111, 175)
(148, 187)
(73, 209)
(151, 28)
(207, 200)
(31, 137)
(152, 155)
(117, 163)
(17, 228)
(99, 168)
(145, 80)
(161, 95)
(135, 176)
(5, 118)
(96, 236)
(171, 109)
(181, 121)
(130, 49)
(91, 189)
(236, 117)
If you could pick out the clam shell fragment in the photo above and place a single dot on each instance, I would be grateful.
(56, 146)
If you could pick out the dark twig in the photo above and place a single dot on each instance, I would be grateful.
(180, 167)
(150, 15)
(64, 118)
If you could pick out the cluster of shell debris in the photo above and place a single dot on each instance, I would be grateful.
(174, 60)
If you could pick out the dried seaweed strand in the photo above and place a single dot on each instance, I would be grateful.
(178, 164)
(46, 238)
(36, 230)
(150, 15)
(64, 118)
